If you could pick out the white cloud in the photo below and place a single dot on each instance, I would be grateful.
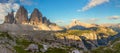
(93, 19)
(15, 6)
(114, 17)
(5, 8)
(93, 3)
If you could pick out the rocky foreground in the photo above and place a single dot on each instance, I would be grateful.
(68, 41)
(23, 38)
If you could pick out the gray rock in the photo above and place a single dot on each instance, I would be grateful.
(36, 17)
(33, 48)
(75, 51)
(21, 16)
(46, 21)
(9, 18)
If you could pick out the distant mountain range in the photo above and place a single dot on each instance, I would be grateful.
(76, 24)
(38, 22)
(115, 27)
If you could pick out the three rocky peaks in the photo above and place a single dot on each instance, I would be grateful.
(21, 17)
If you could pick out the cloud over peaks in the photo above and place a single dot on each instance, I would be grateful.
(114, 17)
(93, 3)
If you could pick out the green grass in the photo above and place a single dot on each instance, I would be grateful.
(19, 49)
(56, 50)
(116, 46)
(98, 50)
(23, 42)
(117, 39)
(5, 34)
(108, 50)
(78, 32)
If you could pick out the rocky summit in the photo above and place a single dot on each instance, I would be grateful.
(36, 20)
(36, 17)
(21, 16)
(76, 24)
(9, 18)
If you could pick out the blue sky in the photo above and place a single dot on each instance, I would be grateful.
(63, 12)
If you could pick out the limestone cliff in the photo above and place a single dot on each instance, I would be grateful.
(9, 18)
(21, 16)
(36, 20)
(36, 17)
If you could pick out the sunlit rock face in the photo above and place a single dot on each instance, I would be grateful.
(115, 27)
(36, 17)
(36, 20)
(76, 24)
(21, 16)
(90, 36)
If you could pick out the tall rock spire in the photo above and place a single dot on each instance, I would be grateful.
(21, 16)
(36, 17)
(9, 18)
(46, 21)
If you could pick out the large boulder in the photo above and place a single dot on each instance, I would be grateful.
(33, 48)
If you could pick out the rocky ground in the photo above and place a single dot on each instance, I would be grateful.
(68, 41)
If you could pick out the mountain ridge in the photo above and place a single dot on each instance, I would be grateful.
(36, 20)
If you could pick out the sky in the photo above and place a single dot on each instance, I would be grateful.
(63, 12)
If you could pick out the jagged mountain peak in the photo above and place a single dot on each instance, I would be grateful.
(21, 7)
(9, 18)
(21, 15)
(77, 24)
(37, 11)
(36, 19)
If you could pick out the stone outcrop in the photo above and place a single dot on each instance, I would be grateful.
(9, 18)
(32, 47)
(46, 21)
(21, 16)
(36, 20)
(36, 17)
